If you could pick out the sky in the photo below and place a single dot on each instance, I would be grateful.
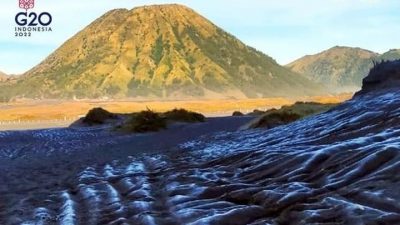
(283, 29)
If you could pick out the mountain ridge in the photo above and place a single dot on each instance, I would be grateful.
(341, 68)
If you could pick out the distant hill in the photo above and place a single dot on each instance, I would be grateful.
(391, 55)
(3, 77)
(158, 51)
(340, 68)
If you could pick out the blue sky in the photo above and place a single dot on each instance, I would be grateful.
(283, 29)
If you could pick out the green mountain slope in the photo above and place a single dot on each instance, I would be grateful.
(340, 68)
(158, 51)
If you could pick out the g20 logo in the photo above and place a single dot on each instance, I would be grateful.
(29, 22)
(33, 19)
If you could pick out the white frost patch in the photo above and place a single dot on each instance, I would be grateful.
(109, 171)
(113, 195)
(88, 174)
(67, 216)
(189, 144)
(140, 206)
(93, 200)
(41, 216)
(135, 167)
(350, 206)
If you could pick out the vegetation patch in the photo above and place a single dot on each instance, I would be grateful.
(288, 114)
(256, 112)
(98, 116)
(144, 121)
(150, 121)
(274, 119)
(237, 113)
(157, 51)
(183, 115)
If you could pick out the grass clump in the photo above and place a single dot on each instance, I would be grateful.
(307, 108)
(145, 121)
(237, 113)
(97, 116)
(288, 114)
(183, 115)
(256, 112)
(274, 119)
(150, 121)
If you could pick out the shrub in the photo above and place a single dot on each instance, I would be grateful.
(307, 108)
(275, 119)
(145, 121)
(256, 112)
(149, 121)
(237, 113)
(97, 116)
(183, 115)
(287, 114)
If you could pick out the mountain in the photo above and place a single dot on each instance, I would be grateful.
(340, 68)
(158, 51)
(391, 55)
(3, 77)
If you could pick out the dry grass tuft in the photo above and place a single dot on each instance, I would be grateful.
(150, 121)
(287, 114)
(183, 115)
(237, 113)
(97, 116)
(144, 121)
